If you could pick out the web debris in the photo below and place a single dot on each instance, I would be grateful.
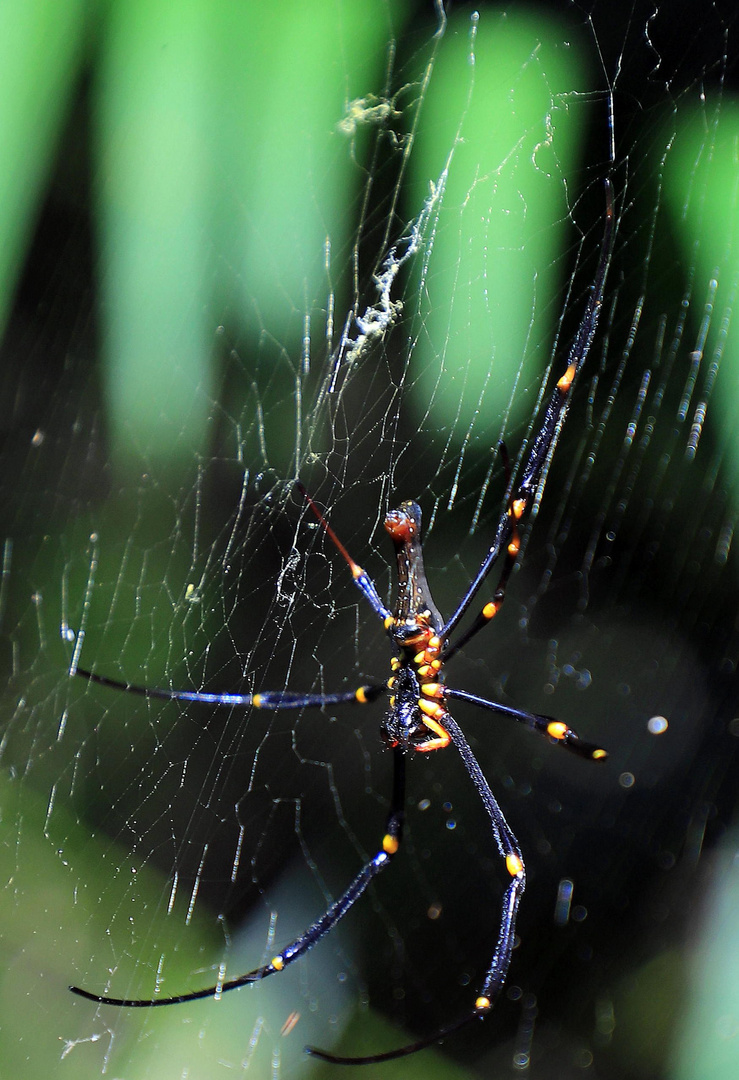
(380, 317)
(365, 112)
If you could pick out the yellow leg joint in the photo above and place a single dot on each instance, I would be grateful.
(514, 866)
(557, 730)
(566, 381)
(390, 844)
(257, 701)
(598, 755)
(277, 963)
(482, 1003)
(432, 709)
(443, 737)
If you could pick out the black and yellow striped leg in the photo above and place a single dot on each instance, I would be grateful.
(540, 452)
(510, 852)
(267, 699)
(544, 725)
(322, 926)
(491, 609)
(496, 974)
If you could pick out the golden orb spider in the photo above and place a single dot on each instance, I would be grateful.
(417, 718)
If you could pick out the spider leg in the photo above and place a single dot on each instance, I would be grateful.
(267, 699)
(545, 725)
(322, 926)
(361, 578)
(497, 971)
(543, 447)
(275, 699)
(491, 609)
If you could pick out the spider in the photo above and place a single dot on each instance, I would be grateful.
(417, 719)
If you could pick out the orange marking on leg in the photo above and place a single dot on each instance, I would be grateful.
(433, 648)
(432, 711)
(566, 381)
(433, 744)
(557, 730)
(514, 866)
(443, 737)
(356, 570)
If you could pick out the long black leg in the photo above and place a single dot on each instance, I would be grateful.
(497, 971)
(361, 578)
(275, 699)
(267, 699)
(545, 725)
(544, 443)
(491, 609)
(322, 926)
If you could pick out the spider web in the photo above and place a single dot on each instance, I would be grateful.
(353, 246)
